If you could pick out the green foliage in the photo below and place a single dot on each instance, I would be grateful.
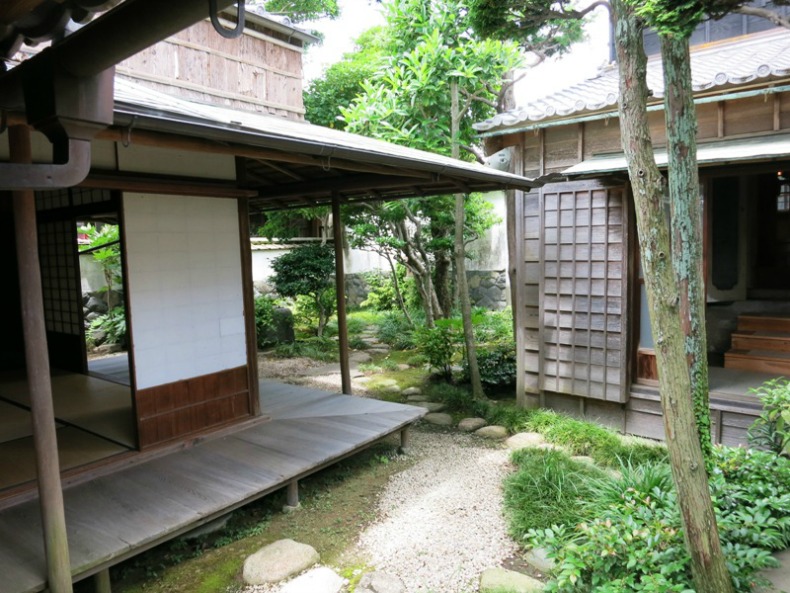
(394, 329)
(265, 322)
(303, 10)
(381, 291)
(341, 83)
(317, 348)
(286, 224)
(440, 345)
(772, 428)
(547, 488)
(546, 27)
(497, 364)
(113, 325)
(307, 271)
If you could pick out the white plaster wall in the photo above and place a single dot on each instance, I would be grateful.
(489, 252)
(357, 261)
(185, 287)
(102, 152)
(163, 161)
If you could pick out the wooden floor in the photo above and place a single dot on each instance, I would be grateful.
(119, 515)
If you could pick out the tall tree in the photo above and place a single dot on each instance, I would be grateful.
(671, 249)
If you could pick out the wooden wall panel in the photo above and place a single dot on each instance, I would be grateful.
(582, 329)
(747, 116)
(187, 408)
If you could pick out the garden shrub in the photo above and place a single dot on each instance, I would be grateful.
(317, 348)
(110, 328)
(772, 428)
(394, 329)
(497, 364)
(440, 345)
(264, 321)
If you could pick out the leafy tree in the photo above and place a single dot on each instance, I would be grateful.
(670, 249)
(307, 270)
(302, 10)
(341, 83)
(406, 101)
(105, 248)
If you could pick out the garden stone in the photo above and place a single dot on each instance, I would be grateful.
(433, 406)
(492, 432)
(412, 391)
(317, 580)
(416, 398)
(439, 419)
(359, 357)
(583, 459)
(522, 440)
(379, 350)
(497, 580)
(393, 389)
(96, 304)
(471, 424)
(538, 559)
(277, 561)
(388, 382)
(92, 315)
(380, 582)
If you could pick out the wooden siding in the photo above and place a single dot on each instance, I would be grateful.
(189, 407)
(582, 331)
(254, 72)
(529, 279)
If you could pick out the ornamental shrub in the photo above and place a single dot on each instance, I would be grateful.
(771, 430)
(497, 364)
(440, 345)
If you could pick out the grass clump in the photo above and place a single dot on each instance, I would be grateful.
(323, 349)
(548, 488)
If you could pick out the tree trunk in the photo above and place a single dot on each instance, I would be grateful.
(460, 262)
(442, 284)
(685, 453)
(398, 293)
(685, 206)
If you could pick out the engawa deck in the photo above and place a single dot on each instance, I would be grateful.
(121, 514)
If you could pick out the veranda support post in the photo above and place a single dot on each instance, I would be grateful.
(340, 288)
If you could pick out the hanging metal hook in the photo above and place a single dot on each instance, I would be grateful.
(222, 30)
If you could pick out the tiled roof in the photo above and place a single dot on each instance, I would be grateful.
(757, 58)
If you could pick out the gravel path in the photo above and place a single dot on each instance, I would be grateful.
(440, 521)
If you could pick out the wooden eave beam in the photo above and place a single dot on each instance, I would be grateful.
(324, 187)
(182, 186)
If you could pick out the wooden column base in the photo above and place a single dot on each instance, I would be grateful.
(101, 581)
(405, 438)
(292, 497)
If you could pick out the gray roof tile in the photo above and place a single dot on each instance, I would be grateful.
(757, 58)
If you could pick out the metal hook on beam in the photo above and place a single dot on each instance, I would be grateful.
(220, 28)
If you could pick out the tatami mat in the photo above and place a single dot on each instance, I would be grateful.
(75, 447)
(98, 406)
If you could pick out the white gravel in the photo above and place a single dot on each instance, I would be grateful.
(440, 521)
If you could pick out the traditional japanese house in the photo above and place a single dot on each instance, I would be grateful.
(98, 463)
(584, 336)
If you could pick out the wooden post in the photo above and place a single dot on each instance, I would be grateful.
(405, 440)
(101, 582)
(340, 284)
(292, 496)
(37, 359)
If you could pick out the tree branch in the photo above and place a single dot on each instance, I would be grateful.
(479, 156)
(764, 13)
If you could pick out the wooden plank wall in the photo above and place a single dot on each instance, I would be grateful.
(192, 406)
(582, 328)
(254, 73)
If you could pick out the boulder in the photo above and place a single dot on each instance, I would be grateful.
(439, 419)
(433, 406)
(522, 440)
(379, 582)
(498, 580)
(277, 561)
(492, 432)
(96, 304)
(317, 580)
(471, 424)
(409, 392)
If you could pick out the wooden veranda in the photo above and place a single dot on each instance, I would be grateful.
(124, 512)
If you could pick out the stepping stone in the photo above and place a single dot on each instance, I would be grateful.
(433, 406)
(408, 392)
(538, 559)
(394, 389)
(388, 382)
(492, 432)
(317, 580)
(471, 424)
(439, 419)
(380, 582)
(416, 398)
(522, 440)
(497, 580)
(277, 561)
(359, 357)
(583, 459)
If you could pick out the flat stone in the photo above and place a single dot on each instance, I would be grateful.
(410, 391)
(439, 419)
(394, 389)
(317, 580)
(379, 350)
(498, 580)
(416, 398)
(379, 582)
(359, 357)
(388, 382)
(538, 559)
(522, 440)
(779, 577)
(433, 406)
(583, 459)
(277, 561)
(492, 432)
(471, 424)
